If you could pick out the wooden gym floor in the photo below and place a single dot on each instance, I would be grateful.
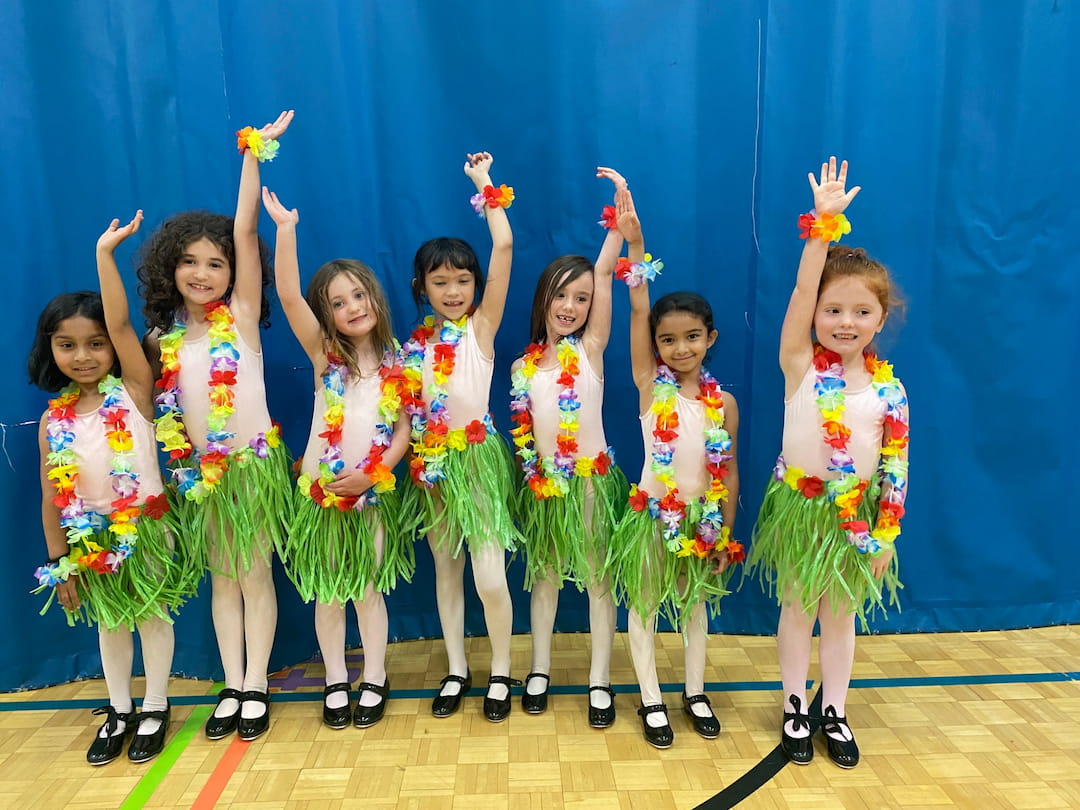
(981, 720)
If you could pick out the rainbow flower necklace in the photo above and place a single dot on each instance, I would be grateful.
(549, 477)
(197, 482)
(847, 490)
(79, 523)
(331, 462)
(430, 432)
(710, 534)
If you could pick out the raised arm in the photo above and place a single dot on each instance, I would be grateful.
(247, 283)
(134, 367)
(642, 356)
(302, 320)
(796, 346)
(489, 314)
(598, 330)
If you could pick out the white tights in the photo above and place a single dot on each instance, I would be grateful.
(643, 653)
(543, 605)
(245, 618)
(374, 627)
(117, 656)
(836, 653)
(489, 573)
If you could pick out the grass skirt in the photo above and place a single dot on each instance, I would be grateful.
(330, 555)
(148, 584)
(245, 516)
(799, 548)
(471, 505)
(557, 535)
(650, 579)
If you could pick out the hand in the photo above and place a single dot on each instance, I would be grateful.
(613, 176)
(278, 212)
(114, 234)
(478, 168)
(349, 482)
(67, 595)
(829, 194)
(880, 564)
(626, 216)
(275, 130)
(718, 561)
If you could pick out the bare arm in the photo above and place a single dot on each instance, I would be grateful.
(598, 330)
(796, 346)
(247, 284)
(489, 314)
(302, 320)
(135, 369)
(642, 356)
(731, 425)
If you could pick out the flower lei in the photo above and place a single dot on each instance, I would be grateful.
(491, 197)
(710, 533)
(847, 490)
(826, 227)
(195, 483)
(251, 138)
(430, 432)
(80, 523)
(549, 477)
(637, 273)
(331, 463)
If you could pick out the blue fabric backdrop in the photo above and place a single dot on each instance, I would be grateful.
(954, 117)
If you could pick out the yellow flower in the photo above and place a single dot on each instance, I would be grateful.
(456, 439)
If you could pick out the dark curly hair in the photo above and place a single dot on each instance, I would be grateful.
(40, 365)
(161, 253)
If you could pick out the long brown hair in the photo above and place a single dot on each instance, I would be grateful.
(556, 275)
(382, 336)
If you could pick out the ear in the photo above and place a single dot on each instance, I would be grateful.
(713, 335)
(881, 325)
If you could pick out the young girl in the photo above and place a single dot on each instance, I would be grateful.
(110, 550)
(203, 276)
(574, 493)
(460, 465)
(350, 538)
(675, 540)
(843, 466)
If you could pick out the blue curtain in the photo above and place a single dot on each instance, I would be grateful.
(954, 117)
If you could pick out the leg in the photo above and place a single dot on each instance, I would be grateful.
(374, 628)
(697, 636)
(330, 631)
(837, 655)
(117, 654)
(794, 637)
(227, 609)
(542, 607)
(450, 598)
(489, 573)
(643, 653)
(602, 614)
(156, 636)
(260, 623)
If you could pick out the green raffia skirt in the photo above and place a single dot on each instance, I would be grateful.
(798, 548)
(244, 518)
(330, 555)
(148, 584)
(559, 538)
(471, 504)
(650, 579)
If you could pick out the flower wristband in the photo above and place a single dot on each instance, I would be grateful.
(637, 273)
(261, 148)
(608, 218)
(826, 227)
(55, 571)
(491, 197)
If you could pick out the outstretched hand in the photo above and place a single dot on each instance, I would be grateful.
(278, 212)
(478, 167)
(114, 234)
(613, 176)
(829, 194)
(275, 130)
(626, 215)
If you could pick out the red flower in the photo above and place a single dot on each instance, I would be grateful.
(115, 420)
(602, 464)
(894, 428)
(639, 500)
(316, 492)
(123, 503)
(805, 221)
(156, 506)
(608, 217)
(222, 376)
(823, 358)
(856, 526)
(890, 510)
(296, 466)
(475, 432)
(735, 551)
(665, 435)
(622, 268)
(810, 486)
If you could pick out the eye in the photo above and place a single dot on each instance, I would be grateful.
(361, 294)
(335, 304)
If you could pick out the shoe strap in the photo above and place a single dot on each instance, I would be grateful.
(830, 722)
(256, 695)
(607, 689)
(456, 679)
(505, 680)
(655, 707)
(113, 718)
(690, 701)
(156, 714)
(532, 675)
(366, 686)
(336, 687)
(227, 694)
